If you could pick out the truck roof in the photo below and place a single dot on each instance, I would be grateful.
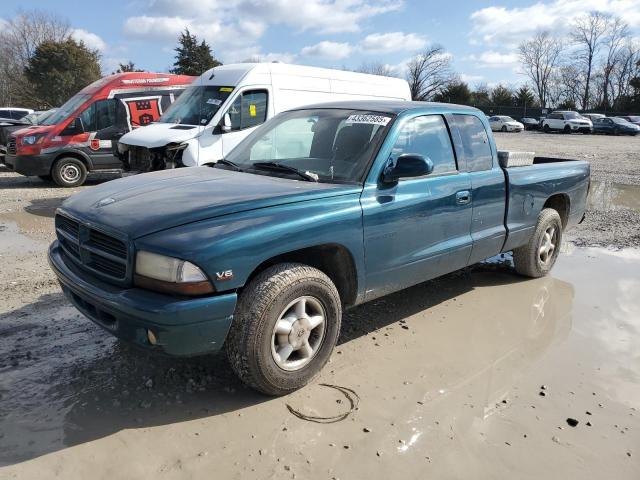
(394, 106)
(131, 80)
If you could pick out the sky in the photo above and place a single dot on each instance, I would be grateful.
(481, 36)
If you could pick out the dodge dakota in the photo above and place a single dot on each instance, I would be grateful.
(320, 209)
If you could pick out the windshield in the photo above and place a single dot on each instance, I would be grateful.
(634, 119)
(197, 105)
(573, 116)
(332, 145)
(507, 119)
(620, 121)
(66, 110)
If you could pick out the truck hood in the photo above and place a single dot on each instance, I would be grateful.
(159, 135)
(143, 204)
(33, 130)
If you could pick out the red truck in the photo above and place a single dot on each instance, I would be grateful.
(80, 136)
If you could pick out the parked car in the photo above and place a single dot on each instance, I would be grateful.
(503, 123)
(14, 113)
(6, 128)
(635, 119)
(228, 102)
(593, 116)
(261, 252)
(615, 126)
(567, 122)
(78, 137)
(530, 123)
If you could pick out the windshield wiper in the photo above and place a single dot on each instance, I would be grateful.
(228, 163)
(275, 166)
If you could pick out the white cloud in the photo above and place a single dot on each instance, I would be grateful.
(382, 43)
(509, 26)
(326, 49)
(323, 16)
(91, 40)
(471, 79)
(155, 28)
(493, 59)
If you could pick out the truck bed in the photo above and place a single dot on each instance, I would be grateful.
(529, 188)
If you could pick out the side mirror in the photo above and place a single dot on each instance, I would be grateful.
(74, 127)
(225, 125)
(407, 165)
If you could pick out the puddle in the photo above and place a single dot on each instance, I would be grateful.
(613, 196)
(448, 375)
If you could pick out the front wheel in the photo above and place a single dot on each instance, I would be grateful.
(504, 128)
(69, 172)
(285, 327)
(537, 257)
(546, 128)
(567, 129)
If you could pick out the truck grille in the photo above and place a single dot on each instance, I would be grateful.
(93, 249)
(11, 145)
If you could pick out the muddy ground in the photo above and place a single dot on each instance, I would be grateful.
(479, 374)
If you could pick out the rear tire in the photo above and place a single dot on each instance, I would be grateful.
(69, 172)
(537, 257)
(289, 296)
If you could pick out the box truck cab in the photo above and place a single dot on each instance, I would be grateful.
(78, 137)
(228, 102)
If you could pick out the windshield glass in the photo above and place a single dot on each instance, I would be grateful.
(508, 119)
(197, 105)
(573, 116)
(66, 110)
(620, 121)
(634, 119)
(332, 145)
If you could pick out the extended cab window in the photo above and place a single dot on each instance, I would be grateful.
(475, 142)
(427, 136)
(248, 110)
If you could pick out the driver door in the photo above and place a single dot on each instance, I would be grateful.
(248, 111)
(418, 228)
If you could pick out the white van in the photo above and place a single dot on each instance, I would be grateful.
(227, 103)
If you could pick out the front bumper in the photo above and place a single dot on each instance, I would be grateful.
(182, 327)
(29, 164)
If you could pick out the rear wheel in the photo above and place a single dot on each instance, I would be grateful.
(69, 172)
(537, 257)
(285, 327)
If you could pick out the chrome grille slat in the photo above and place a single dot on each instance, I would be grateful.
(93, 249)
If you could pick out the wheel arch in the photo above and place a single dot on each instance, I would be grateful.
(83, 157)
(561, 203)
(334, 260)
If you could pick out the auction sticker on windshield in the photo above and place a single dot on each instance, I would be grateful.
(368, 119)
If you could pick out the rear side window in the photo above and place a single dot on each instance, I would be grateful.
(475, 142)
(248, 110)
(427, 136)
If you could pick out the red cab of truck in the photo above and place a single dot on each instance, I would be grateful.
(82, 134)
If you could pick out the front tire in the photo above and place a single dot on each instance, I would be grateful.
(69, 172)
(546, 128)
(537, 257)
(285, 327)
(504, 128)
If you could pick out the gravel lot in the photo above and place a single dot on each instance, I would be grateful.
(449, 385)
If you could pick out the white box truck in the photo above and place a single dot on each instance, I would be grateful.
(226, 103)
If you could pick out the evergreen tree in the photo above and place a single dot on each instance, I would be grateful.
(481, 96)
(127, 67)
(57, 70)
(193, 58)
(456, 92)
(524, 97)
(502, 96)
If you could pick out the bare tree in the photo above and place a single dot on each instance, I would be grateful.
(614, 42)
(540, 57)
(588, 33)
(429, 72)
(376, 68)
(19, 38)
(626, 69)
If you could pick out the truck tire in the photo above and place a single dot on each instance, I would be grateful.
(537, 257)
(285, 327)
(69, 172)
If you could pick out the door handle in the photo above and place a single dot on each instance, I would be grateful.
(463, 197)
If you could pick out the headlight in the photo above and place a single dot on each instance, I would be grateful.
(32, 139)
(170, 275)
